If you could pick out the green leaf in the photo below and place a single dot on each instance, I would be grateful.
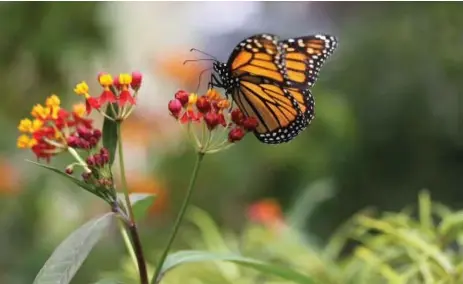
(67, 258)
(183, 257)
(307, 202)
(80, 183)
(140, 202)
(108, 281)
(425, 206)
(110, 133)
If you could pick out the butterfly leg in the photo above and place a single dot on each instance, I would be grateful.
(214, 82)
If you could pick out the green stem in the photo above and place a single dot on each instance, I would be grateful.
(128, 244)
(79, 159)
(131, 225)
(179, 219)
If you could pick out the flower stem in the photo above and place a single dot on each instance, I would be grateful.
(179, 219)
(127, 242)
(131, 225)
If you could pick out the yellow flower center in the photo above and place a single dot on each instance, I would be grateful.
(39, 111)
(36, 125)
(54, 112)
(25, 125)
(79, 110)
(25, 141)
(53, 101)
(125, 79)
(192, 99)
(223, 104)
(81, 89)
(213, 94)
(106, 80)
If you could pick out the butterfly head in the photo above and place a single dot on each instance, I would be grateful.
(226, 79)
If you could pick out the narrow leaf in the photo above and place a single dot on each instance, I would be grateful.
(183, 257)
(67, 258)
(140, 202)
(110, 132)
(425, 206)
(108, 281)
(80, 183)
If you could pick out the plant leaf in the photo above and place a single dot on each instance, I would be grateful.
(140, 202)
(190, 256)
(80, 183)
(108, 281)
(110, 132)
(67, 258)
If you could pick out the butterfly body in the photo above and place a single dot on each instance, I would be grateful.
(270, 80)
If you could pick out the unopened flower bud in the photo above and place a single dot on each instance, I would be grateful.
(175, 107)
(97, 134)
(237, 116)
(203, 104)
(69, 170)
(90, 161)
(92, 142)
(182, 96)
(73, 141)
(211, 119)
(250, 123)
(136, 80)
(98, 160)
(236, 134)
(84, 132)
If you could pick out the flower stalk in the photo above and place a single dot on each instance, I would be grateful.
(157, 276)
(131, 225)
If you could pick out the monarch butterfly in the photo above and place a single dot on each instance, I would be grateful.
(270, 80)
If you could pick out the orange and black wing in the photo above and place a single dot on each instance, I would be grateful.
(278, 113)
(305, 101)
(304, 57)
(258, 56)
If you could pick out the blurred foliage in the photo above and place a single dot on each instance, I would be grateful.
(39, 41)
(420, 244)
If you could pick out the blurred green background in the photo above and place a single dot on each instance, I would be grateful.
(389, 115)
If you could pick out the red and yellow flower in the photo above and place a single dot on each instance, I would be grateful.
(122, 90)
(213, 110)
(52, 129)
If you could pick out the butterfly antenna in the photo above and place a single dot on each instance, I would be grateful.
(195, 60)
(199, 78)
(204, 53)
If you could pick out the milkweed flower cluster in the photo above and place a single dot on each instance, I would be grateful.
(121, 92)
(53, 130)
(215, 118)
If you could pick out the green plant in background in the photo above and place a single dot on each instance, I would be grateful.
(390, 248)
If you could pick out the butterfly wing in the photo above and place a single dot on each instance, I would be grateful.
(270, 89)
(258, 56)
(304, 57)
(305, 101)
(278, 113)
